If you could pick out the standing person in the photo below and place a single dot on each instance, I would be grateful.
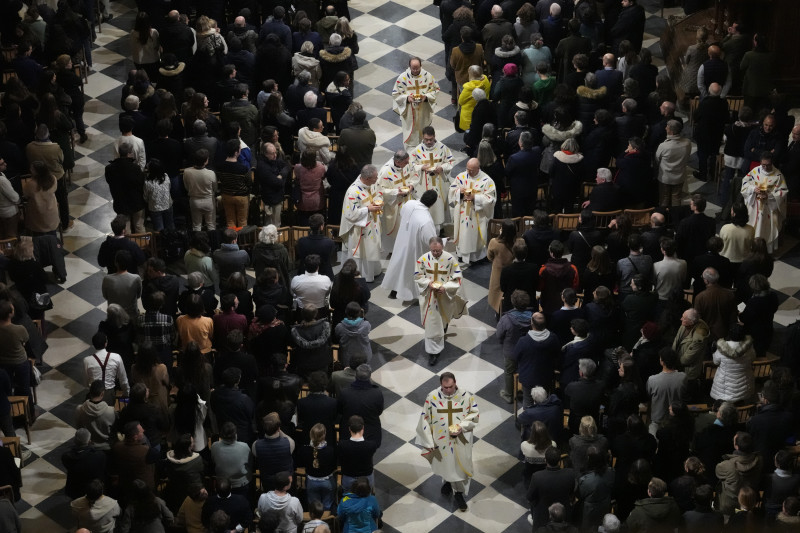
(665, 388)
(234, 181)
(126, 184)
(157, 196)
(397, 184)
(472, 197)
(764, 192)
(270, 180)
(359, 510)
(361, 223)
(446, 434)
(434, 162)
(416, 228)
(201, 185)
(414, 94)
(14, 359)
(500, 254)
(441, 297)
(672, 157)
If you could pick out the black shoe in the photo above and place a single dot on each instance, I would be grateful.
(84, 137)
(433, 358)
(447, 488)
(460, 501)
(393, 295)
(108, 17)
(445, 327)
(699, 176)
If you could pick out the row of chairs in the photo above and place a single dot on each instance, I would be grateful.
(569, 221)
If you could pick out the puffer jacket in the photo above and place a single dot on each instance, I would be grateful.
(589, 101)
(467, 102)
(552, 138)
(734, 378)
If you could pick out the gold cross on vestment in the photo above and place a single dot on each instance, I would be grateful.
(370, 201)
(450, 411)
(435, 271)
(417, 87)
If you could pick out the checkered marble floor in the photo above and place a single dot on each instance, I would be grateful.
(408, 493)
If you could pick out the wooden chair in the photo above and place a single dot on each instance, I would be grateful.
(19, 409)
(603, 218)
(495, 225)
(7, 246)
(762, 368)
(285, 238)
(146, 242)
(8, 74)
(693, 105)
(735, 104)
(32, 363)
(299, 232)
(745, 412)
(248, 240)
(9, 53)
(688, 295)
(332, 232)
(587, 188)
(566, 221)
(15, 447)
(334, 139)
(709, 370)
(527, 223)
(640, 217)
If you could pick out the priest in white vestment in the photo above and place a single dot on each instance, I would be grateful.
(413, 236)
(764, 191)
(361, 223)
(397, 183)
(445, 429)
(432, 162)
(414, 96)
(472, 198)
(441, 297)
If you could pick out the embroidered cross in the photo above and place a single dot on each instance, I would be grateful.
(450, 411)
(417, 87)
(435, 272)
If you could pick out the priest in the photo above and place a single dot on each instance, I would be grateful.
(415, 230)
(361, 223)
(397, 184)
(432, 162)
(472, 199)
(441, 297)
(445, 429)
(764, 192)
(414, 96)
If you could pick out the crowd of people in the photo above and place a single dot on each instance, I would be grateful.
(550, 96)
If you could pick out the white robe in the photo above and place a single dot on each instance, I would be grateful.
(439, 155)
(415, 230)
(390, 179)
(415, 115)
(471, 222)
(452, 456)
(766, 216)
(360, 230)
(437, 310)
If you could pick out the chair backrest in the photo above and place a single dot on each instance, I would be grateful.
(762, 368)
(285, 238)
(735, 104)
(7, 246)
(745, 412)
(13, 445)
(567, 221)
(495, 225)
(710, 370)
(640, 218)
(586, 189)
(603, 218)
(332, 232)
(527, 223)
(693, 105)
(247, 240)
(144, 241)
(18, 405)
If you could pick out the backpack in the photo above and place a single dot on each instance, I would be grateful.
(174, 243)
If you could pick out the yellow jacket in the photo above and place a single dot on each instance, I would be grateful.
(467, 102)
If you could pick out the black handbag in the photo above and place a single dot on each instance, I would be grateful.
(457, 120)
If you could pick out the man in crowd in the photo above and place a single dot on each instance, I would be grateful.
(445, 429)
(433, 161)
(472, 197)
(672, 156)
(415, 229)
(119, 241)
(691, 344)
(665, 387)
(361, 223)
(358, 140)
(441, 297)
(126, 184)
(397, 183)
(414, 94)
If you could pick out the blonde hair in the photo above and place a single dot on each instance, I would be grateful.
(317, 437)
(23, 250)
(203, 24)
(588, 427)
(343, 28)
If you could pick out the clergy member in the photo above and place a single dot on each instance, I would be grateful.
(764, 192)
(414, 96)
(472, 199)
(441, 297)
(361, 223)
(415, 231)
(432, 162)
(445, 428)
(397, 183)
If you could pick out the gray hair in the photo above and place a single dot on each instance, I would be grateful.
(590, 80)
(526, 140)
(693, 315)
(195, 280)
(611, 524)
(131, 102)
(587, 367)
(539, 395)
(335, 40)
(728, 414)
(304, 76)
(117, 315)
(363, 372)
(629, 104)
(400, 155)
(475, 72)
(435, 239)
(369, 171)
(307, 47)
(604, 174)
(309, 99)
(268, 234)
(478, 94)
(711, 276)
(675, 126)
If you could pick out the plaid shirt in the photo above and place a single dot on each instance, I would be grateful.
(156, 328)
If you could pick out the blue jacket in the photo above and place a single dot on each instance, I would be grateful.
(535, 354)
(359, 515)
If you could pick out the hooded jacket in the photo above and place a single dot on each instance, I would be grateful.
(535, 354)
(462, 57)
(97, 417)
(589, 101)
(734, 379)
(736, 470)
(511, 327)
(359, 515)
(654, 515)
(289, 508)
(691, 347)
(312, 341)
(308, 139)
(467, 102)
(99, 516)
(555, 136)
(325, 27)
(332, 60)
(301, 62)
(353, 337)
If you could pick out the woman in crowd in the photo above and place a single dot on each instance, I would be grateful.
(566, 174)
(149, 369)
(532, 56)
(624, 400)
(759, 261)
(587, 436)
(198, 109)
(193, 326)
(146, 513)
(60, 126)
(695, 56)
(350, 40)
(499, 253)
(339, 97)
(266, 335)
(526, 24)
(734, 355)
(359, 511)
(737, 237)
(198, 259)
(120, 333)
(760, 309)
(682, 488)
(348, 286)
(594, 489)
(195, 370)
(276, 116)
(304, 60)
(308, 175)
(268, 252)
(270, 289)
(71, 83)
(145, 45)
(184, 467)
(319, 460)
(157, 196)
(26, 271)
(533, 450)
(41, 211)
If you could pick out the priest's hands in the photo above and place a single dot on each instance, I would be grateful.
(762, 195)
(374, 208)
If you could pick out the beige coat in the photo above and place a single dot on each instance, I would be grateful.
(500, 255)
